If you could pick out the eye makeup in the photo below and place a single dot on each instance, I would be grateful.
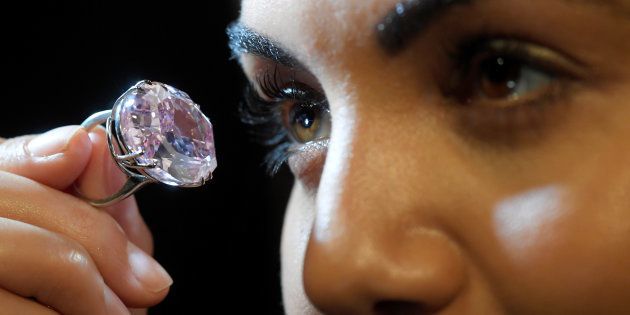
(499, 88)
(285, 113)
(497, 80)
(243, 40)
(504, 88)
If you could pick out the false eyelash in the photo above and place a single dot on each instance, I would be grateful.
(270, 84)
(265, 118)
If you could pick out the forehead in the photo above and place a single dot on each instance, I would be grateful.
(326, 14)
(317, 32)
(336, 16)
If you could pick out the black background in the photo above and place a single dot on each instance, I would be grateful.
(63, 61)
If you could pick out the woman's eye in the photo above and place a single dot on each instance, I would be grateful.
(504, 90)
(285, 113)
(505, 73)
(504, 77)
(307, 120)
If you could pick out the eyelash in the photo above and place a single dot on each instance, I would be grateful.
(490, 123)
(522, 118)
(265, 117)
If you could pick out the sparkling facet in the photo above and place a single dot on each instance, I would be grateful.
(171, 130)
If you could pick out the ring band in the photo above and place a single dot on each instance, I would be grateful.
(156, 134)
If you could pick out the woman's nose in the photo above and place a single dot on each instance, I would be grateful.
(360, 272)
(369, 262)
(378, 244)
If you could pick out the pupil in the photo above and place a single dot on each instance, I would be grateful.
(500, 76)
(305, 117)
(501, 70)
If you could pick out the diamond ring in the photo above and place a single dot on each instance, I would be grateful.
(156, 134)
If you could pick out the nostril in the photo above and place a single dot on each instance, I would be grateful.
(399, 308)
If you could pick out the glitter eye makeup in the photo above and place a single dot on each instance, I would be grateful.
(498, 86)
(284, 111)
(285, 114)
(504, 88)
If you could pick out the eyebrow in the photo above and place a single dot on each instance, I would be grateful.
(409, 18)
(405, 21)
(245, 40)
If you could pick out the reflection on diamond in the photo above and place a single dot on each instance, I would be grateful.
(170, 129)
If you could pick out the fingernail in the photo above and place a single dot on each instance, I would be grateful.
(52, 142)
(113, 304)
(152, 276)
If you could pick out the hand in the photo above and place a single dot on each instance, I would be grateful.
(58, 251)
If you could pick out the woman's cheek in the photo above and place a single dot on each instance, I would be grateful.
(566, 244)
(525, 221)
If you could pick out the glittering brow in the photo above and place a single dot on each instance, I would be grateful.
(408, 18)
(244, 40)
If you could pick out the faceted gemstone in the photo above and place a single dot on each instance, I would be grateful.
(171, 130)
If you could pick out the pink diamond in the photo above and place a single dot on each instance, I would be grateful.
(165, 124)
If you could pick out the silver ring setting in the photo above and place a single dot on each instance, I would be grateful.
(156, 134)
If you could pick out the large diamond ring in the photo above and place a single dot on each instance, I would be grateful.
(156, 133)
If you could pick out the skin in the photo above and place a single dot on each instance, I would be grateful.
(409, 208)
(442, 217)
(59, 255)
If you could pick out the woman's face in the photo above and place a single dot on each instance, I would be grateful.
(450, 156)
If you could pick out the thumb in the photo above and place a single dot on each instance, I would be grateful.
(55, 158)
